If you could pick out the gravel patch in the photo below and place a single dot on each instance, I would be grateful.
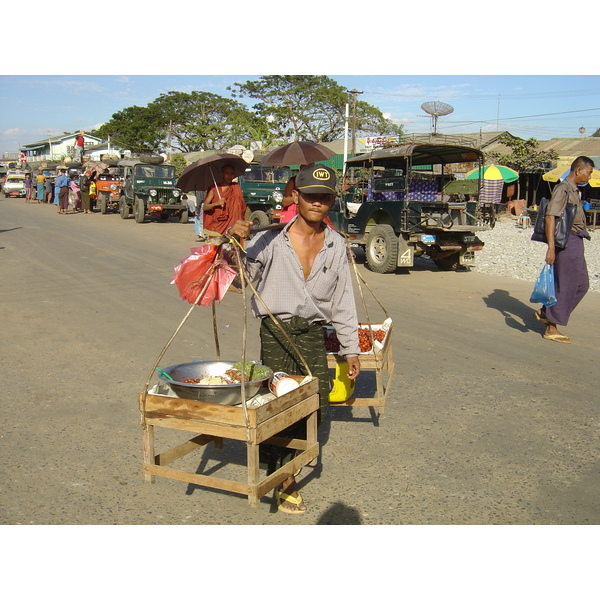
(509, 252)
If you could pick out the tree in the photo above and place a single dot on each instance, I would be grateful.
(139, 129)
(179, 162)
(204, 121)
(185, 122)
(309, 108)
(524, 154)
(596, 133)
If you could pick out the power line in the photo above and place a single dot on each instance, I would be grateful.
(492, 95)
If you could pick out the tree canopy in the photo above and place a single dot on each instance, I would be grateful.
(290, 107)
(137, 128)
(310, 108)
(187, 122)
(525, 154)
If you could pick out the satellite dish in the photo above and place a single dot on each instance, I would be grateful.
(248, 155)
(436, 109)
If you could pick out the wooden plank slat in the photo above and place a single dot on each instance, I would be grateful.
(194, 409)
(168, 456)
(205, 480)
(215, 429)
(285, 419)
(282, 403)
(273, 480)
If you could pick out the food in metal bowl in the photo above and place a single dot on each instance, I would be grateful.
(219, 382)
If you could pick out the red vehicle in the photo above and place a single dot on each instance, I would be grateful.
(108, 188)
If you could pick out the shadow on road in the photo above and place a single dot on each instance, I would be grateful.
(516, 314)
(340, 514)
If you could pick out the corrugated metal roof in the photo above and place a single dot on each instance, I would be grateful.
(587, 146)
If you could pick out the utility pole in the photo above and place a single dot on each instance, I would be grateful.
(354, 93)
(498, 115)
(169, 141)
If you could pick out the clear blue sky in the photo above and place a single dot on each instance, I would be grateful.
(69, 89)
(528, 106)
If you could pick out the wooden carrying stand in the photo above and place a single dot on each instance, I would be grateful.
(213, 422)
(368, 362)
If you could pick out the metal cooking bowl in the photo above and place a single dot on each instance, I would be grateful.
(217, 394)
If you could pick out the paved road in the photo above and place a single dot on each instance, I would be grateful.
(487, 423)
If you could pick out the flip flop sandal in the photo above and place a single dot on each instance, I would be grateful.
(557, 337)
(283, 497)
(541, 319)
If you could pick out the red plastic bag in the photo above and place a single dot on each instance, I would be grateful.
(194, 271)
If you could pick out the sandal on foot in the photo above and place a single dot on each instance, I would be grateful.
(558, 337)
(540, 318)
(295, 500)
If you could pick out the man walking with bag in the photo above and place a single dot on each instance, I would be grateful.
(570, 270)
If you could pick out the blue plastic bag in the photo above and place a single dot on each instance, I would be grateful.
(543, 291)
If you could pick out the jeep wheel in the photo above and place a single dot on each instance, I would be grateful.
(103, 202)
(140, 210)
(123, 208)
(448, 263)
(259, 218)
(381, 249)
(184, 217)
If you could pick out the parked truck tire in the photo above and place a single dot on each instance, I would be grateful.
(140, 210)
(381, 249)
(124, 208)
(259, 218)
(103, 198)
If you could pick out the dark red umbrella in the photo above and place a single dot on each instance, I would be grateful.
(297, 153)
(205, 172)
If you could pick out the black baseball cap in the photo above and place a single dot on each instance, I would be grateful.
(316, 179)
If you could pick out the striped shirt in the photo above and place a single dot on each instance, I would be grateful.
(326, 295)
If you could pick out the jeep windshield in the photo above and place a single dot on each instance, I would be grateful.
(111, 174)
(157, 171)
(267, 174)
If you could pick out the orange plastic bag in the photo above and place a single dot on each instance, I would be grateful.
(194, 271)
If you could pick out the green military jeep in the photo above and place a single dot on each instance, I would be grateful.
(149, 190)
(263, 189)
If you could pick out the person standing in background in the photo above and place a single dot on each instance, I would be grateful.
(570, 270)
(224, 204)
(79, 144)
(49, 190)
(74, 186)
(62, 185)
(40, 180)
(84, 188)
(28, 183)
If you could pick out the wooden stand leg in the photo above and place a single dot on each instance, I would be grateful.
(252, 450)
(149, 456)
(311, 429)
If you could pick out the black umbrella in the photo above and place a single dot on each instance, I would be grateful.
(297, 153)
(205, 172)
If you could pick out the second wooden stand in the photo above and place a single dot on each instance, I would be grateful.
(368, 362)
